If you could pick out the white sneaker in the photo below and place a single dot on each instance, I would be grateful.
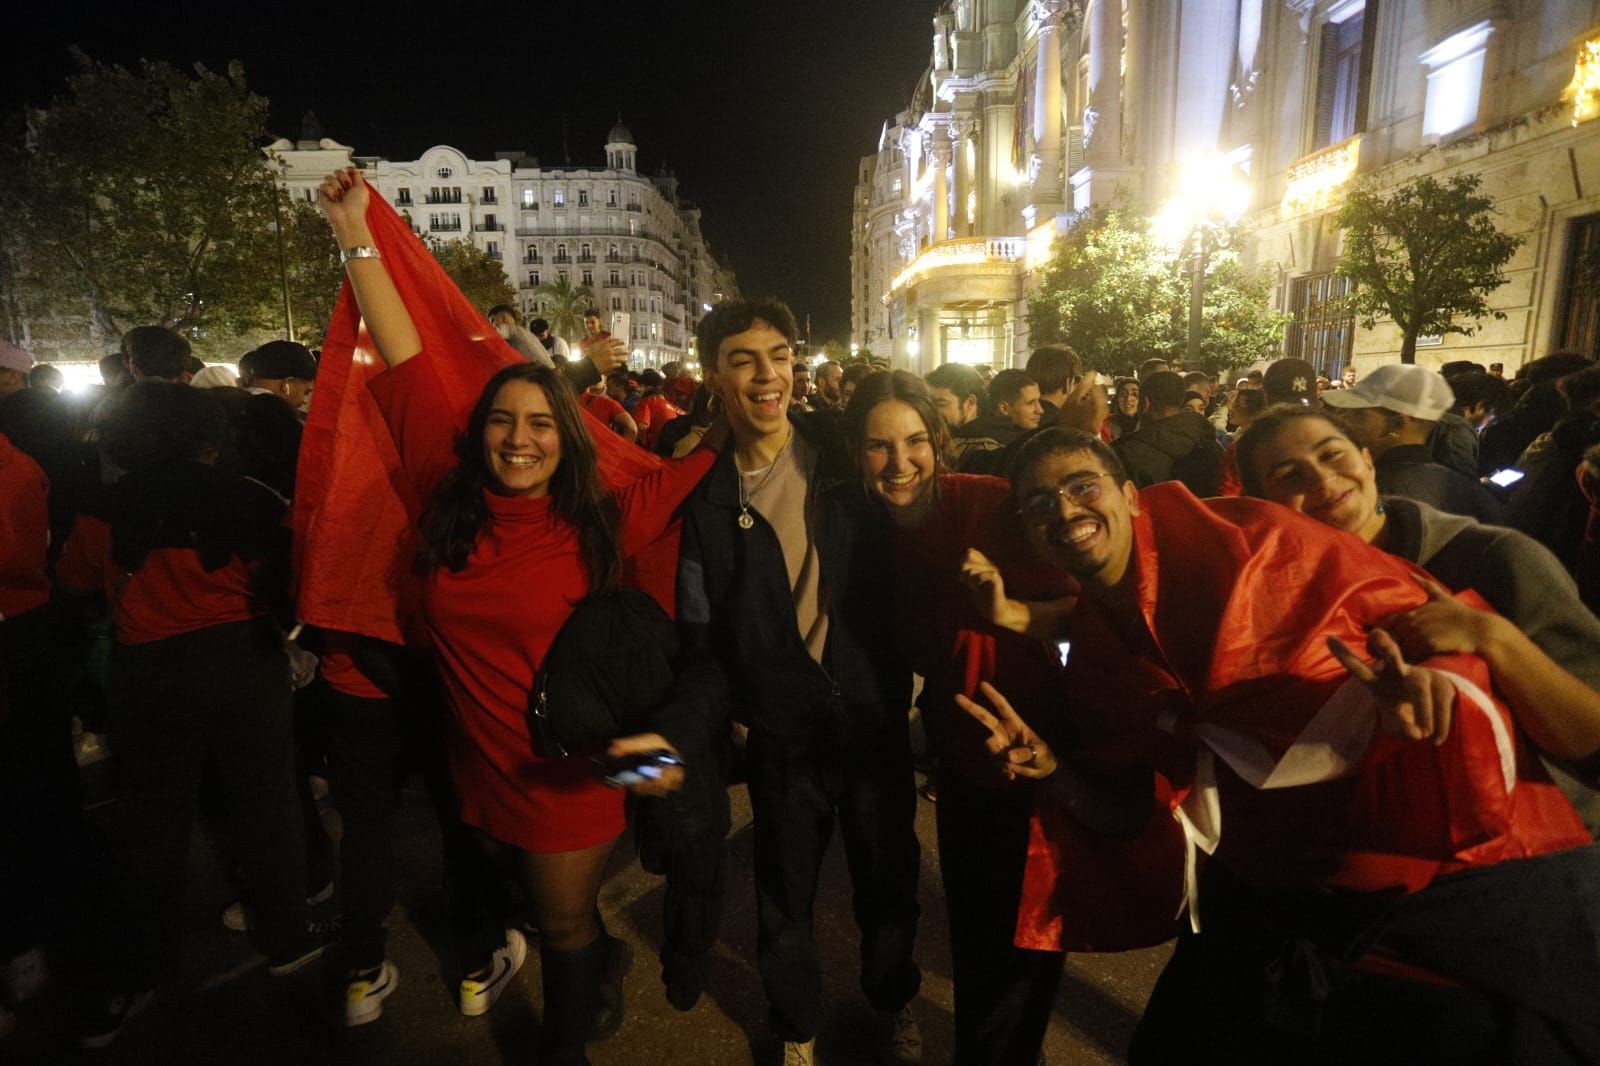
(477, 996)
(26, 975)
(904, 1046)
(798, 1054)
(363, 998)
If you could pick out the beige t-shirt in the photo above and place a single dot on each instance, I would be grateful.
(783, 497)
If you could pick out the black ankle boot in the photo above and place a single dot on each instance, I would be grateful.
(582, 998)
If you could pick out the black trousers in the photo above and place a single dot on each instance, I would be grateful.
(796, 798)
(363, 745)
(1004, 994)
(219, 694)
(44, 855)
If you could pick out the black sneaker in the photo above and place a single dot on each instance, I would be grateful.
(306, 950)
(107, 1022)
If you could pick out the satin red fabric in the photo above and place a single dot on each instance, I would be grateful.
(354, 510)
(1240, 596)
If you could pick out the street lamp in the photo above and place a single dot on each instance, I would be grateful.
(1209, 196)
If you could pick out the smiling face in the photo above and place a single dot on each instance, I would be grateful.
(956, 411)
(898, 461)
(1026, 411)
(1310, 466)
(521, 442)
(753, 378)
(1078, 518)
(1128, 400)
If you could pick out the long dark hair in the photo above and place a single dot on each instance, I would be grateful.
(457, 514)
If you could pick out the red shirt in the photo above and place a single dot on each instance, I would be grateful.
(492, 623)
(170, 594)
(339, 670)
(653, 412)
(24, 532)
(601, 406)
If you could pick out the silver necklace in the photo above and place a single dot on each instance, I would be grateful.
(746, 519)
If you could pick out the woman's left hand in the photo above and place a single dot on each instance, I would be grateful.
(1016, 748)
(1442, 626)
(671, 778)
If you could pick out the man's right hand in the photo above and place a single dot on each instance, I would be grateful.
(607, 355)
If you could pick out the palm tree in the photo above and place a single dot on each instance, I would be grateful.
(565, 305)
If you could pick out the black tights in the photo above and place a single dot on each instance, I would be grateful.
(563, 888)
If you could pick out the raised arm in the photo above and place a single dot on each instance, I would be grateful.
(344, 197)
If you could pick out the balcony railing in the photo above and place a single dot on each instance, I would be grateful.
(445, 227)
(441, 199)
(635, 207)
(529, 207)
(532, 259)
(561, 259)
(969, 251)
(489, 227)
(614, 259)
(585, 258)
(1313, 179)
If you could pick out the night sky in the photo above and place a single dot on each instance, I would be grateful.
(763, 108)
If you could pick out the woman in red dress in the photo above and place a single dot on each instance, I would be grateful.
(517, 529)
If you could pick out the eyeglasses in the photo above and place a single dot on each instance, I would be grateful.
(1043, 504)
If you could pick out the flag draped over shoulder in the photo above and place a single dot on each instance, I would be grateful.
(354, 510)
(1267, 748)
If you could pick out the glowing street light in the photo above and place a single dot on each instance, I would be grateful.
(1209, 196)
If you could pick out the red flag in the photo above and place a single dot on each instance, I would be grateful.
(354, 510)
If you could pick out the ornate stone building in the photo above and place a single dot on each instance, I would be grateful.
(1029, 110)
(630, 239)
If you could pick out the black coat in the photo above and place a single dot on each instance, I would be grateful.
(1182, 447)
(745, 655)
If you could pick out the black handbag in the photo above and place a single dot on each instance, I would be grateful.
(612, 663)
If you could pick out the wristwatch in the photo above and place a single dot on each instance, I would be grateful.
(360, 251)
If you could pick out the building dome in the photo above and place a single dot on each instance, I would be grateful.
(619, 134)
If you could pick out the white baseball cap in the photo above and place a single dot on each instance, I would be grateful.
(1407, 390)
(14, 358)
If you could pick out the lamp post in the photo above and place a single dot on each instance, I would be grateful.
(1209, 196)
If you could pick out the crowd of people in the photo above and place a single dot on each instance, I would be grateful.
(1303, 674)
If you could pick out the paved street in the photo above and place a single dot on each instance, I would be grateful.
(227, 1010)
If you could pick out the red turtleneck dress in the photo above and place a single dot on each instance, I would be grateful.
(492, 623)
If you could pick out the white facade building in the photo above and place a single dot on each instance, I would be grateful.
(1029, 110)
(630, 239)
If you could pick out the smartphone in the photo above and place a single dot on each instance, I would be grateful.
(635, 769)
(622, 327)
(1506, 478)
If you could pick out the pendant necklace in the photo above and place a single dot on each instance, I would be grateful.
(746, 519)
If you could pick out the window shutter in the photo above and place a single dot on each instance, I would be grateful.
(1327, 85)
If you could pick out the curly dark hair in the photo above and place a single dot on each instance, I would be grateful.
(457, 514)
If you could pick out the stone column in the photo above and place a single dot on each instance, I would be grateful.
(1102, 118)
(939, 153)
(963, 133)
(1047, 191)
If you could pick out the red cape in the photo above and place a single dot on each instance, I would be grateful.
(1235, 709)
(354, 511)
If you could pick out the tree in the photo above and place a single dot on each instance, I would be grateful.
(479, 275)
(142, 196)
(1424, 255)
(1118, 295)
(564, 307)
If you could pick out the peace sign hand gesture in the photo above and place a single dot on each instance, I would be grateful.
(1414, 703)
(1017, 749)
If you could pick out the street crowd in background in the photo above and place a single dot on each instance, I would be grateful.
(1301, 671)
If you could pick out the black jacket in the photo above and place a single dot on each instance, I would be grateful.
(745, 655)
(1182, 447)
(976, 445)
(1409, 470)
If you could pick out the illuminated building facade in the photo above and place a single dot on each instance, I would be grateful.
(1029, 110)
(630, 239)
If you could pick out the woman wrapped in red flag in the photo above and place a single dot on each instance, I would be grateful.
(1419, 892)
(516, 527)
